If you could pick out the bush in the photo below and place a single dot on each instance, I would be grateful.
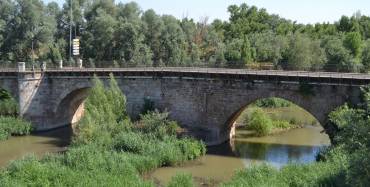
(260, 123)
(272, 102)
(158, 124)
(282, 124)
(8, 106)
(181, 180)
(13, 126)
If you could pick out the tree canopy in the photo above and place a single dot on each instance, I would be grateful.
(122, 34)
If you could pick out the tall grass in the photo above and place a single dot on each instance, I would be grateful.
(11, 126)
(329, 173)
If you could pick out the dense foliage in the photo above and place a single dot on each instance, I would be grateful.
(117, 34)
(272, 102)
(108, 149)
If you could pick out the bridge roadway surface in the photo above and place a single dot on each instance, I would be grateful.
(278, 75)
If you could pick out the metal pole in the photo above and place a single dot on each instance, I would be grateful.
(70, 31)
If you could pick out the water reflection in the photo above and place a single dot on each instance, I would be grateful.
(296, 146)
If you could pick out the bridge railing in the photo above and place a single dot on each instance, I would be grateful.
(208, 70)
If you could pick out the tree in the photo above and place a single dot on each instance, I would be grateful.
(353, 43)
(339, 58)
(269, 47)
(99, 35)
(366, 55)
(173, 43)
(304, 54)
(154, 27)
(28, 27)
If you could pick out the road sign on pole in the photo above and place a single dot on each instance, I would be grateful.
(76, 47)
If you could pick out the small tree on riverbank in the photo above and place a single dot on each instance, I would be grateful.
(260, 122)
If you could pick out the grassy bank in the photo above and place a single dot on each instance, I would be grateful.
(108, 149)
(12, 126)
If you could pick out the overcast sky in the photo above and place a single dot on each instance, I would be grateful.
(302, 11)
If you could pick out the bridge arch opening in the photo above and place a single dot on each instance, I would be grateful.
(280, 114)
(294, 134)
(71, 107)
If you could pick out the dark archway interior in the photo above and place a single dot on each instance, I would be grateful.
(71, 108)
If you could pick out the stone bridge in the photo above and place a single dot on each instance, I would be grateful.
(205, 101)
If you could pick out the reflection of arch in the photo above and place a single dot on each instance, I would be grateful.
(70, 109)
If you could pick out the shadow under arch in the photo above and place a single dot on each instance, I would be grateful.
(231, 122)
(71, 108)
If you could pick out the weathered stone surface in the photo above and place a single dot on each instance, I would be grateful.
(207, 107)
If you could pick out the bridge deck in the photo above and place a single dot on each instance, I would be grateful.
(278, 75)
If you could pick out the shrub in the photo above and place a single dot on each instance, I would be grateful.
(272, 102)
(105, 114)
(13, 126)
(158, 124)
(181, 180)
(8, 106)
(260, 123)
(282, 124)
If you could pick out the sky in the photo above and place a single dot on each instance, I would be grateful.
(302, 11)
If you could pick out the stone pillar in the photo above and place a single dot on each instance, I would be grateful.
(79, 63)
(43, 66)
(21, 66)
(61, 64)
(232, 131)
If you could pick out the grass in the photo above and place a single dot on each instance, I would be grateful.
(11, 126)
(329, 173)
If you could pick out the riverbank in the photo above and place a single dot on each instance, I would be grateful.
(13, 126)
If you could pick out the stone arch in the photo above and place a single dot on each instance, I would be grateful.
(223, 107)
(71, 107)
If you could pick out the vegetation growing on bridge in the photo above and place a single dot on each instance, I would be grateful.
(118, 35)
(108, 149)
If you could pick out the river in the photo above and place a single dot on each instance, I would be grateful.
(220, 163)
(38, 144)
